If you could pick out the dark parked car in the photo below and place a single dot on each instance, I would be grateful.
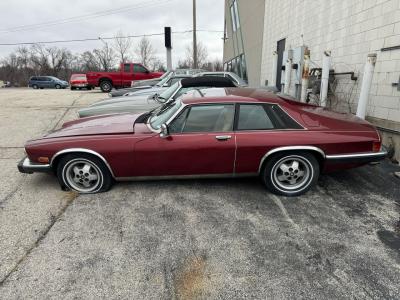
(231, 132)
(47, 82)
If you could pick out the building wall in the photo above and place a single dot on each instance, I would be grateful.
(251, 14)
(351, 30)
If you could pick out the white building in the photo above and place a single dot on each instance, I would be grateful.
(349, 29)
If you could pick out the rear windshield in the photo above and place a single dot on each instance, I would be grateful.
(78, 77)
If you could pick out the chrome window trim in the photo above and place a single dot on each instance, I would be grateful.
(82, 150)
(289, 148)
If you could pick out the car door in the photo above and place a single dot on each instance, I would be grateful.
(201, 141)
(47, 82)
(140, 72)
(127, 75)
(260, 128)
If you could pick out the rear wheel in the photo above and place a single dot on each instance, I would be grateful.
(73, 88)
(84, 173)
(106, 86)
(291, 174)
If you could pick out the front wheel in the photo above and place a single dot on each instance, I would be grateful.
(105, 86)
(57, 86)
(291, 174)
(84, 173)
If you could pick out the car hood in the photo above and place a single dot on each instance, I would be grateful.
(119, 107)
(142, 99)
(149, 91)
(104, 124)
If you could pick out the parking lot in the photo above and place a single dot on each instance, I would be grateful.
(227, 239)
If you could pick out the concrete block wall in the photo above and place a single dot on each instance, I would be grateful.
(351, 30)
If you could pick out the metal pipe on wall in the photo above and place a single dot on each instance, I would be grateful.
(305, 75)
(288, 72)
(326, 65)
(274, 68)
(366, 85)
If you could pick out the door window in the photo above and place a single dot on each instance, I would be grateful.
(127, 68)
(139, 69)
(205, 118)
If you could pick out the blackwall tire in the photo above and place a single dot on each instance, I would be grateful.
(106, 86)
(84, 173)
(291, 174)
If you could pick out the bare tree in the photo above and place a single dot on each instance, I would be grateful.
(122, 46)
(144, 51)
(157, 65)
(38, 58)
(59, 59)
(202, 55)
(106, 57)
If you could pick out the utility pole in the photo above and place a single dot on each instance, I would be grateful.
(194, 37)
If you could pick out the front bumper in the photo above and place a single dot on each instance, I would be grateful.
(29, 167)
(358, 158)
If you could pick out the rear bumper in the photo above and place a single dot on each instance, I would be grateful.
(29, 167)
(357, 158)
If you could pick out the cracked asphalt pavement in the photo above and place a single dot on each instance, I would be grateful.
(193, 239)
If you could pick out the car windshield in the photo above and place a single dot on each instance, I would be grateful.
(164, 96)
(238, 79)
(164, 78)
(54, 78)
(162, 114)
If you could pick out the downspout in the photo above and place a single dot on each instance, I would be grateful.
(288, 72)
(305, 75)
(274, 68)
(326, 65)
(366, 85)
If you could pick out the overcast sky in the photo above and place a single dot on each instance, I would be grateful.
(137, 17)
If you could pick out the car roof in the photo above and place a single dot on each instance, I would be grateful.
(212, 81)
(233, 95)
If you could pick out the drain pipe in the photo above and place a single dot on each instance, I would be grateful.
(274, 68)
(288, 71)
(326, 65)
(366, 85)
(305, 75)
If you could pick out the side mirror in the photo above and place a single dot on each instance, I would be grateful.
(164, 131)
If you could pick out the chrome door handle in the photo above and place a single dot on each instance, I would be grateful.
(223, 137)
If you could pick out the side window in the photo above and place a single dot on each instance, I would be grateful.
(209, 118)
(33, 79)
(127, 68)
(280, 118)
(253, 117)
(139, 69)
(177, 125)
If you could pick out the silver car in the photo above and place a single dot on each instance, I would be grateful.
(233, 76)
(146, 102)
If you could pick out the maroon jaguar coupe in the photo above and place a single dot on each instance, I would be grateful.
(229, 132)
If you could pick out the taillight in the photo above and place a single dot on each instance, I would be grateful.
(376, 146)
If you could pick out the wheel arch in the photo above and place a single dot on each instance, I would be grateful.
(56, 157)
(318, 152)
(101, 79)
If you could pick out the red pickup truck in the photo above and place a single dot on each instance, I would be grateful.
(127, 73)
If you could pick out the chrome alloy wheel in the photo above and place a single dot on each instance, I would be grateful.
(292, 173)
(83, 175)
